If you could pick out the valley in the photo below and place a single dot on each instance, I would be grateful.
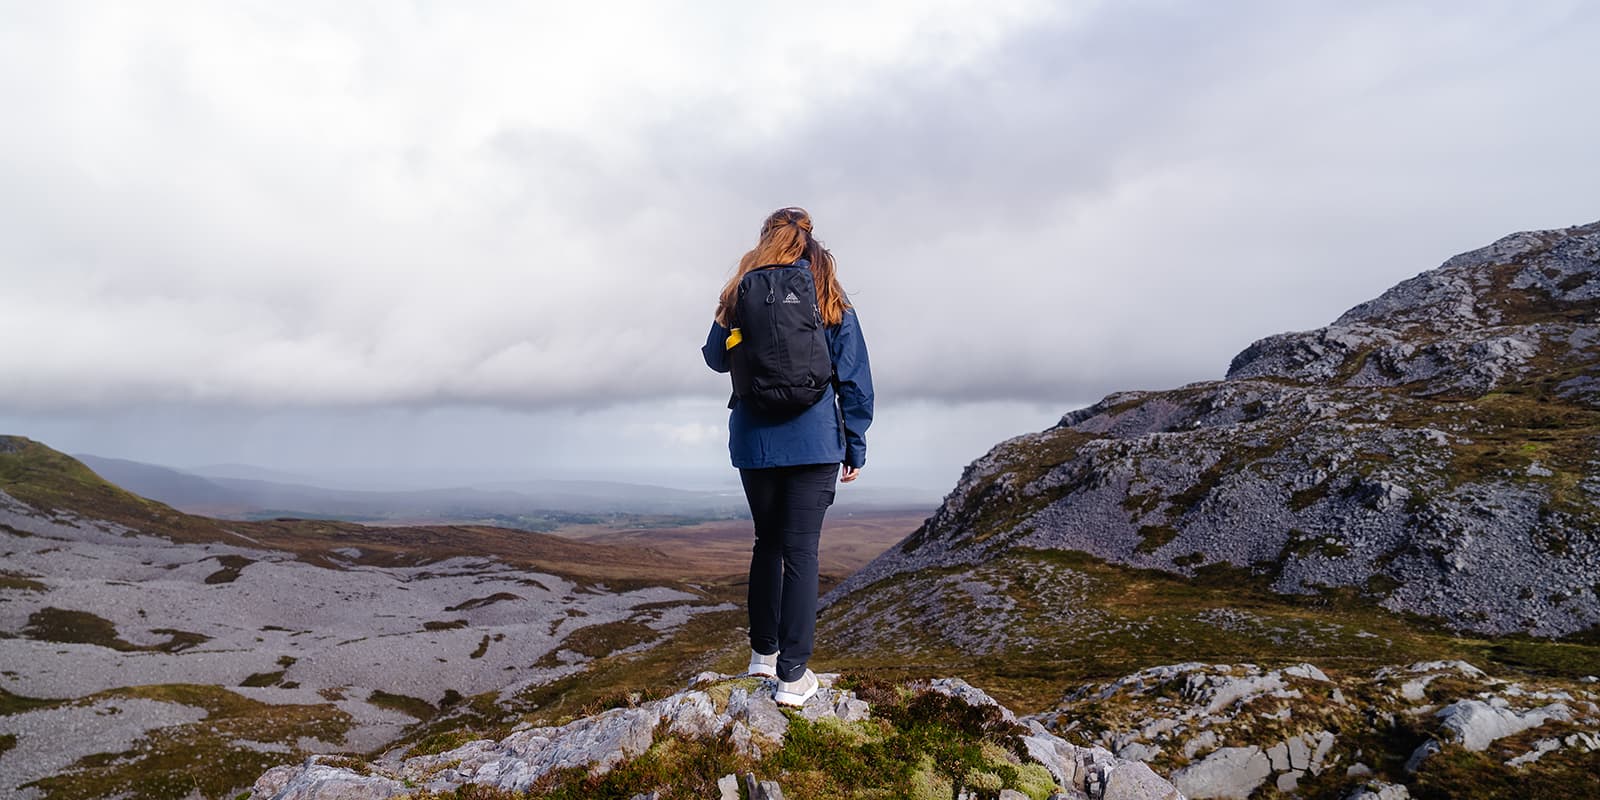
(1361, 566)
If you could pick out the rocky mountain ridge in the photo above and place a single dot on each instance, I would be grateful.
(741, 722)
(1435, 449)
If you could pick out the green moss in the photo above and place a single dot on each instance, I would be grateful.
(480, 602)
(602, 640)
(7, 742)
(74, 627)
(442, 742)
(1456, 774)
(1305, 498)
(677, 768)
(444, 625)
(405, 704)
(16, 703)
(270, 678)
(20, 581)
(482, 648)
(70, 626)
(1301, 544)
(1154, 537)
(231, 565)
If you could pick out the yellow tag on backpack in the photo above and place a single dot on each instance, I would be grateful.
(734, 338)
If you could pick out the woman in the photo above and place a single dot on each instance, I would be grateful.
(788, 462)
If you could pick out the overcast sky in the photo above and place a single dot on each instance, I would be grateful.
(451, 241)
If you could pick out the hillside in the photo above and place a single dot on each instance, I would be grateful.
(1433, 450)
(1416, 484)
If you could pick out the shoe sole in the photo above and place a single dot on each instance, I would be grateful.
(784, 698)
(762, 672)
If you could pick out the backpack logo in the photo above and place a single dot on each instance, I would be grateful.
(790, 298)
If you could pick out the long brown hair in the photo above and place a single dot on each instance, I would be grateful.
(785, 237)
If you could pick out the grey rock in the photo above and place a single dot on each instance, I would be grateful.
(1325, 742)
(599, 743)
(1231, 772)
(321, 782)
(1306, 671)
(1137, 781)
(692, 714)
(851, 709)
(764, 717)
(769, 791)
(1423, 752)
(955, 687)
(743, 743)
(1289, 782)
(1539, 750)
(1056, 756)
(1299, 754)
(1139, 751)
(1278, 757)
(1380, 791)
(1474, 724)
(1011, 794)
(1202, 742)
(728, 787)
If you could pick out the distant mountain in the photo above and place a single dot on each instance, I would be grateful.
(1435, 450)
(249, 472)
(537, 504)
(179, 489)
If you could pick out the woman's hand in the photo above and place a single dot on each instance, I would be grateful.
(848, 473)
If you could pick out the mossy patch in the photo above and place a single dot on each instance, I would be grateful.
(1154, 537)
(444, 625)
(16, 703)
(595, 641)
(405, 704)
(270, 678)
(231, 566)
(480, 602)
(20, 581)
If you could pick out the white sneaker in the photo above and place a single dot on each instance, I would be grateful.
(762, 665)
(796, 693)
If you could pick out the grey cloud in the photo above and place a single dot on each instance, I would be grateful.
(1111, 201)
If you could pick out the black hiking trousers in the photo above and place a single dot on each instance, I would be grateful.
(787, 505)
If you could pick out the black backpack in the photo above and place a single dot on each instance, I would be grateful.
(781, 364)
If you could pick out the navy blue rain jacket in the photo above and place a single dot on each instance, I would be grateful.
(831, 432)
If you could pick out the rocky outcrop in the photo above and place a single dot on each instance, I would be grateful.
(741, 712)
(1434, 449)
(1235, 731)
